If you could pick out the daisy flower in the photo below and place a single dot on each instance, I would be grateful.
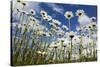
(78, 28)
(64, 27)
(17, 10)
(54, 45)
(39, 52)
(32, 19)
(69, 15)
(32, 12)
(18, 1)
(60, 32)
(45, 17)
(80, 12)
(44, 34)
(24, 3)
(58, 28)
(56, 22)
(44, 53)
(94, 24)
(89, 26)
(40, 32)
(49, 18)
(62, 40)
(52, 25)
(24, 12)
(71, 34)
(53, 30)
(64, 45)
(43, 13)
(47, 34)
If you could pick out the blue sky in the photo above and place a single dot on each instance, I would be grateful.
(57, 10)
(62, 8)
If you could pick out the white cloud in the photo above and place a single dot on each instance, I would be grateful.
(59, 10)
(33, 5)
(56, 8)
(84, 20)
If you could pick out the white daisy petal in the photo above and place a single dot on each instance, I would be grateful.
(69, 14)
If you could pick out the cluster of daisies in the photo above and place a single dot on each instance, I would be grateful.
(62, 38)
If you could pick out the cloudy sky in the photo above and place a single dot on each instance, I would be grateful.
(57, 11)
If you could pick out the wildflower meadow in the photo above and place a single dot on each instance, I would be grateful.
(52, 33)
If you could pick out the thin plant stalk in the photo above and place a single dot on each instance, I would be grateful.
(71, 51)
(80, 48)
(64, 54)
(69, 24)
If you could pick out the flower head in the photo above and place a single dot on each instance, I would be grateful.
(89, 27)
(24, 12)
(69, 15)
(53, 30)
(76, 39)
(44, 53)
(24, 3)
(45, 18)
(39, 52)
(56, 22)
(18, 10)
(48, 34)
(49, 18)
(71, 34)
(60, 33)
(61, 40)
(33, 19)
(57, 28)
(43, 13)
(18, 1)
(54, 45)
(44, 34)
(94, 24)
(40, 32)
(78, 28)
(52, 25)
(32, 12)
(80, 12)
(64, 27)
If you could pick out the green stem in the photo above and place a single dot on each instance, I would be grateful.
(71, 50)
(80, 49)
(69, 25)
